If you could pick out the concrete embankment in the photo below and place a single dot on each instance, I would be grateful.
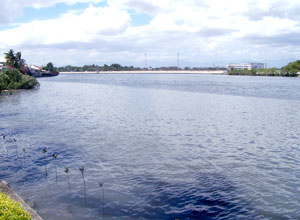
(212, 72)
(4, 188)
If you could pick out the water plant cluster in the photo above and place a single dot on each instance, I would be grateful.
(9, 143)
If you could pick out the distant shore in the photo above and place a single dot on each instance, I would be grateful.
(212, 72)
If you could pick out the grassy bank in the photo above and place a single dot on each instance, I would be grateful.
(13, 79)
(11, 210)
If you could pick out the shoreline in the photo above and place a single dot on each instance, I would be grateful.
(210, 72)
(5, 189)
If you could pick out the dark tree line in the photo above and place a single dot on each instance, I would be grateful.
(118, 67)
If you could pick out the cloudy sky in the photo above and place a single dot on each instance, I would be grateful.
(203, 32)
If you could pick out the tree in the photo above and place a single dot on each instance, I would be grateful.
(291, 69)
(10, 58)
(49, 67)
(14, 60)
(20, 62)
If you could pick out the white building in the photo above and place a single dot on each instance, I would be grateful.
(246, 66)
(2, 62)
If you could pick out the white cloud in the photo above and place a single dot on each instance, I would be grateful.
(93, 23)
(11, 9)
(200, 30)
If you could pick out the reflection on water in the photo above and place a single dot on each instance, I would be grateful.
(165, 146)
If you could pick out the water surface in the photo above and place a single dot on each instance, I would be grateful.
(165, 146)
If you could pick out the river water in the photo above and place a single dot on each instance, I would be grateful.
(165, 146)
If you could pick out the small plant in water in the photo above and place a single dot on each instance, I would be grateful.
(54, 156)
(67, 173)
(15, 141)
(24, 151)
(45, 151)
(4, 138)
(82, 173)
(101, 187)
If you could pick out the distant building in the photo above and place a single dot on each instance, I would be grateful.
(246, 66)
(2, 62)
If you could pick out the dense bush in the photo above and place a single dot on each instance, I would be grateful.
(291, 69)
(11, 210)
(258, 72)
(13, 79)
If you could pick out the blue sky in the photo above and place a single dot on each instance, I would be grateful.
(203, 32)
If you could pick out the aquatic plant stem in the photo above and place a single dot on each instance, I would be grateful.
(15, 141)
(84, 191)
(69, 183)
(45, 151)
(6, 148)
(84, 187)
(101, 186)
(67, 173)
(55, 156)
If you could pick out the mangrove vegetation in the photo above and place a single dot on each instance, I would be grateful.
(292, 70)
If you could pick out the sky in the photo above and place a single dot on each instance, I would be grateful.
(203, 32)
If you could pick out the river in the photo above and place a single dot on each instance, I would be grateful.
(164, 146)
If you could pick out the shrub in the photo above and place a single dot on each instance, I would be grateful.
(291, 69)
(14, 79)
(11, 210)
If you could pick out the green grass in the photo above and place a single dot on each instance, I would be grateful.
(11, 210)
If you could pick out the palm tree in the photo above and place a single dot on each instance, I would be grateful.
(14, 59)
(10, 58)
(19, 60)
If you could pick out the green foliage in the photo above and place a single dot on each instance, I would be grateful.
(14, 59)
(252, 72)
(118, 67)
(11, 210)
(93, 67)
(12, 79)
(256, 72)
(291, 69)
(50, 67)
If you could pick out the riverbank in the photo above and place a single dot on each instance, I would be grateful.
(210, 72)
(5, 189)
